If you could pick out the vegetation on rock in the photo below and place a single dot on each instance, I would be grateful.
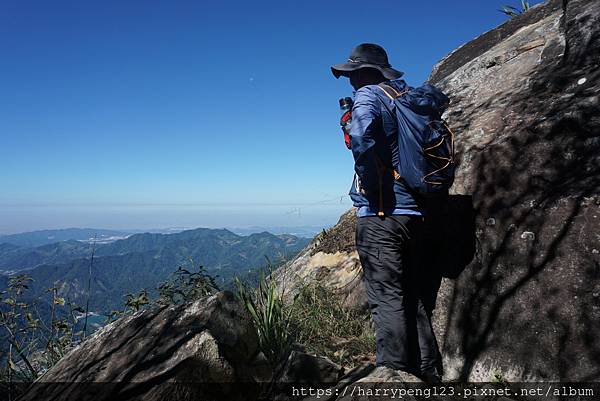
(514, 11)
(33, 344)
(325, 327)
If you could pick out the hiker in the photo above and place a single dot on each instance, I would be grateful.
(390, 227)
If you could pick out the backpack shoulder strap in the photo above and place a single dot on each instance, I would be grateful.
(391, 92)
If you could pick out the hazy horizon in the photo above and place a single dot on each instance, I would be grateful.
(19, 219)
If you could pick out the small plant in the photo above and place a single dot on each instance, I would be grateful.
(16, 334)
(498, 377)
(61, 328)
(134, 303)
(33, 344)
(186, 286)
(514, 11)
(269, 316)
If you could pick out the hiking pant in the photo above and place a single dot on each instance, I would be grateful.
(400, 291)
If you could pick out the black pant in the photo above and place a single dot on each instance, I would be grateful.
(400, 290)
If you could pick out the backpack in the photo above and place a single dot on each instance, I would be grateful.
(425, 142)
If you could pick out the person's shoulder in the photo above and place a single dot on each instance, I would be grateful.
(370, 91)
(368, 95)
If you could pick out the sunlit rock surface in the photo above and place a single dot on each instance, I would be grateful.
(202, 350)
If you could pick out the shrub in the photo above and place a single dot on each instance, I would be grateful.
(186, 286)
(31, 345)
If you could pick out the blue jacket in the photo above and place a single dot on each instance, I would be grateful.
(374, 134)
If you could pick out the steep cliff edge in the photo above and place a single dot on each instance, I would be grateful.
(525, 108)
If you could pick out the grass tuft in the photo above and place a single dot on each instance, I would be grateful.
(270, 317)
(326, 327)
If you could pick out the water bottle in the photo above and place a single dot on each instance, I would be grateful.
(346, 104)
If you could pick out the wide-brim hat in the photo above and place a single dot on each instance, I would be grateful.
(367, 55)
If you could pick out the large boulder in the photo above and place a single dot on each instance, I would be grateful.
(525, 107)
(207, 349)
(526, 112)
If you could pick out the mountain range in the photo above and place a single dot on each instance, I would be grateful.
(45, 237)
(141, 261)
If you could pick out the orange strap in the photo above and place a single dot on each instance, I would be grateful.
(395, 93)
(448, 160)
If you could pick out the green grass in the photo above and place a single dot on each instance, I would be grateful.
(325, 327)
(270, 317)
(316, 319)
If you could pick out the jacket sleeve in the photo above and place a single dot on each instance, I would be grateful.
(366, 122)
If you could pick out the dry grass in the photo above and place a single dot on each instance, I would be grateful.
(325, 327)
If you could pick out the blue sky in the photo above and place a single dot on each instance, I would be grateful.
(123, 114)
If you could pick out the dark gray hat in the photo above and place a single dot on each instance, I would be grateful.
(367, 55)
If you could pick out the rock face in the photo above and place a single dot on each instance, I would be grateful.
(525, 107)
(155, 354)
(330, 258)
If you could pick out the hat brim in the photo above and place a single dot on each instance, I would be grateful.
(342, 70)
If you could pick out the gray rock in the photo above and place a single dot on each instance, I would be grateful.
(305, 368)
(525, 310)
(205, 349)
(331, 259)
(304, 371)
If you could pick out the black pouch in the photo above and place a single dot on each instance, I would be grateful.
(450, 234)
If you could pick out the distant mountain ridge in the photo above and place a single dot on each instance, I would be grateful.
(212, 252)
(15, 258)
(143, 261)
(298, 231)
(45, 237)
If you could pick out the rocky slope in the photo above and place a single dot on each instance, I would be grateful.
(331, 258)
(160, 353)
(526, 112)
(204, 350)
